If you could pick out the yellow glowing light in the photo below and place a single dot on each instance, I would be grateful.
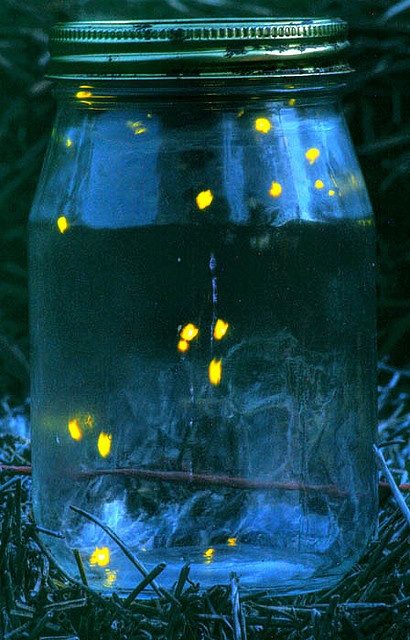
(241, 112)
(366, 222)
(204, 199)
(215, 372)
(292, 102)
(331, 192)
(81, 95)
(275, 190)
(74, 430)
(209, 553)
(183, 346)
(68, 143)
(62, 224)
(232, 542)
(104, 444)
(136, 127)
(319, 184)
(263, 125)
(100, 557)
(189, 332)
(220, 329)
(110, 578)
(312, 155)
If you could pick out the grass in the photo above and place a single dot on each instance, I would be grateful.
(38, 600)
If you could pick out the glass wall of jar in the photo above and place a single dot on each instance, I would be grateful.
(203, 310)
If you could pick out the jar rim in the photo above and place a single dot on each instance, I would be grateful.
(197, 48)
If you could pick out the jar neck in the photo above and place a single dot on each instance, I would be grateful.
(103, 93)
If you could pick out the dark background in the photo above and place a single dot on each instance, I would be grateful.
(377, 105)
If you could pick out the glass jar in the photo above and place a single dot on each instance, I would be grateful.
(203, 307)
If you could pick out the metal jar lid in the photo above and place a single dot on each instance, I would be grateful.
(220, 48)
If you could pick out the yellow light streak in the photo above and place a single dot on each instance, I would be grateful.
(74, 430)
(319, 184)
(232, 542)
(68, 142)
(183, 346)
(104, 444)
(81, 95)
(136, 127)
(215, 372)
(62, 224)
(100, 557)
(292, 102)
(204, 199)
(189, 332)
(220, 329)
(275, 190)
(263, 125)
(312, 155)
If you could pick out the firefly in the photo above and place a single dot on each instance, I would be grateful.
(312, 155)
(183, 346)
(275, 190)
(215, 372)
(263, 125)
(204, 199)
(319, 184)
(189, 332)
(220, 329)
(74, 430)
(62, 224)
(209, 554)
(104, 444)
(100, 557)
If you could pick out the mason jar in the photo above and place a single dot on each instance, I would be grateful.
(202, 286)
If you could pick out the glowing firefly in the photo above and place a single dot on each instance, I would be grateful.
(189, 332)
(104, 444)
(62, 224)
(263, 125)
(312, 155)
(204, 199)
(215, 372)
(275, 190)
(220, 329)
(74, 430)
(100, 557)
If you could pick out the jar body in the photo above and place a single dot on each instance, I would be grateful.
(203, 341)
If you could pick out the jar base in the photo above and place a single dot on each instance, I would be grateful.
(280, 573)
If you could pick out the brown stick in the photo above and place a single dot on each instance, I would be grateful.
(178, 476)
(182, 477)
